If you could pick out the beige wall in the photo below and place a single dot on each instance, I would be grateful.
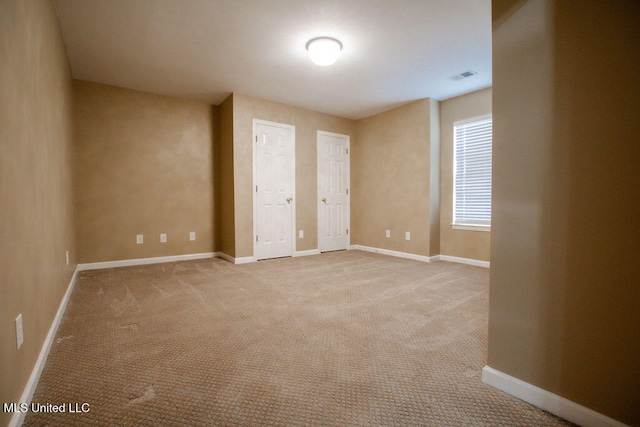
(307, 123)
(459, 243)
(391, 178)
(564, 257)
(435, 213)
(36, 168)
(144, 166)
(224, 183)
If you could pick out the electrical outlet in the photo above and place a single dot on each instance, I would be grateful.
(407, 235)
(192, 235)
(67, 255)
(139, 239)
(19, 336)
(388, 233)
(301, 234)
(163, 238)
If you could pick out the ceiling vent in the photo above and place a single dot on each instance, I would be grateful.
(464, 75)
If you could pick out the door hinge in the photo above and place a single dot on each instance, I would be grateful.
(256, 238)
(256, 138)
(256, 188)
(347, 231)
(347, 151)
(347, 191)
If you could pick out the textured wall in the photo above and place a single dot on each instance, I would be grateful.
(144, 166)
(36, 173)
(459, 243)
(564, 253)
(434, 178)
(224, 184)
(390, 169)
(307, 123)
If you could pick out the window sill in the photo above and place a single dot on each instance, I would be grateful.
(471, 227)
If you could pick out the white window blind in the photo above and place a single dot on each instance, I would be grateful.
(472, 172)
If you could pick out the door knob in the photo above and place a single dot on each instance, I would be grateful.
(324, 199)
(289, 199)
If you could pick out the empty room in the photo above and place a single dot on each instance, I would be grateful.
(319, 212)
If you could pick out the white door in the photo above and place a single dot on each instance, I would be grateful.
(333, 191)
(274, 182)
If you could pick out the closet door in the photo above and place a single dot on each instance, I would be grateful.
(333, 191)
(274, 176)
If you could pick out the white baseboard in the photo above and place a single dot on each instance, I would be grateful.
(226, 257)
(393, 253)
(307, 253)
(18, 417)
(249, 259)
(476, 262)
(144, 261)
(422, 258)
(546, 400)
(244, 260)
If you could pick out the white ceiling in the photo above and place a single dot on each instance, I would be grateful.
(395, 51)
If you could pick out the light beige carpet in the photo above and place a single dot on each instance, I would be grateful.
(339, 339)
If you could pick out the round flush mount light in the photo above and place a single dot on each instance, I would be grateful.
(324, 50)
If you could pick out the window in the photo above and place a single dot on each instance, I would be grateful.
(472, 174)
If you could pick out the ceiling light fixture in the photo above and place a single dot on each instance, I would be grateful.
(324, 50)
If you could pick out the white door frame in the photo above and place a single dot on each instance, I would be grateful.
(319, 206)
(254, 144)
